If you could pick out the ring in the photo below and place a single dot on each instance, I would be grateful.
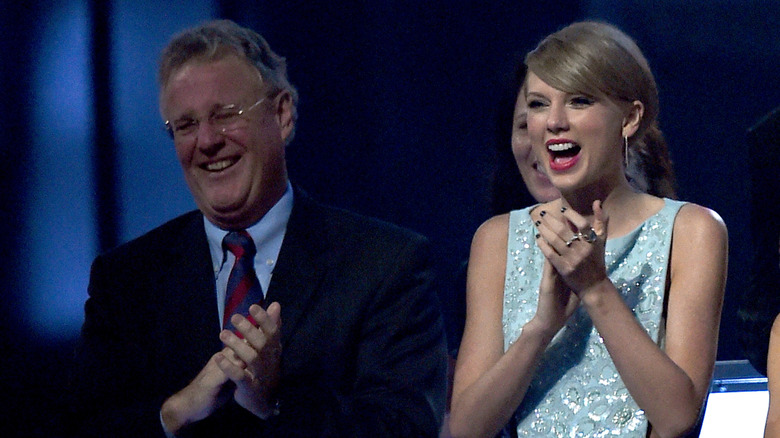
(590, 237)
(573, 238)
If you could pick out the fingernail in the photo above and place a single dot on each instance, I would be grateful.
(538, 223)
(542, 213)
(537, 235)
(563, 209)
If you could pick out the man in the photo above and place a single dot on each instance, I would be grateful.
(352, 341)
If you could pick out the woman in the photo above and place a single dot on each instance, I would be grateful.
(584, 315)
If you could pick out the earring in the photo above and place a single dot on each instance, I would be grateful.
(625, 149)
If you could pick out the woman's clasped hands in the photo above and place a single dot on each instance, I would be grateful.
(574, 260)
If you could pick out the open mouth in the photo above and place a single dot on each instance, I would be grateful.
(218, 166)
(563, 150)
(563, 155)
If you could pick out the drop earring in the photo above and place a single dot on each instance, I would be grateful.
(625, 150)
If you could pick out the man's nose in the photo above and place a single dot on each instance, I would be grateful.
(209, 136)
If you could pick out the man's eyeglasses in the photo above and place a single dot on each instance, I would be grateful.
(225, 118)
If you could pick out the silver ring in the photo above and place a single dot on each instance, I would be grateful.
(573, 238)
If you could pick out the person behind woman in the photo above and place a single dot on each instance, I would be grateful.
(584, 316)
(517, 181)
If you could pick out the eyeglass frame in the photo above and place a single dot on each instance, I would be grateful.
(171, 130)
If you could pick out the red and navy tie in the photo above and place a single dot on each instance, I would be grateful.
(243, 288)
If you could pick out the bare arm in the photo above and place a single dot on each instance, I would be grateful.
(490, 384)
(670, 385)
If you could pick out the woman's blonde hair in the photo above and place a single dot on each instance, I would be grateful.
(599, 60)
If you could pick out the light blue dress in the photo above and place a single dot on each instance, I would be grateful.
(577, 391)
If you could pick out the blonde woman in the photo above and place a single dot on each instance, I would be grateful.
(597, 313)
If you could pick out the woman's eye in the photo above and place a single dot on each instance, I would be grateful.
(535, 104)
(581, 101)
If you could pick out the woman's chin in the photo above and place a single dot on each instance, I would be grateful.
(546, 194)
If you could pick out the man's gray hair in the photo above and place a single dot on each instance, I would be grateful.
(216, 39)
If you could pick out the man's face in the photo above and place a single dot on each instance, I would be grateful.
(236, 174)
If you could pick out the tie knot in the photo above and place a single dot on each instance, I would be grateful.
(240, 243)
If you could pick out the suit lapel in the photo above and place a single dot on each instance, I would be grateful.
(303, 260)
(193, 295)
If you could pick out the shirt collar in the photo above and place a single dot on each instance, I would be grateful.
(267, 233)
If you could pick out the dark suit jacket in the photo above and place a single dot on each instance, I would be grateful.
(363, 345)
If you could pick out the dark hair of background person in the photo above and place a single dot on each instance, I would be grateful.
(507, 189)
(760, 303)
(507, 193)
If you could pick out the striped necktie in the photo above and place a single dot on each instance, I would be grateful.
(243, 288)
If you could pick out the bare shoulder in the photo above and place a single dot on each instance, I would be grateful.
(492, 231)
(776, 328)
(699, 247)
(488, 257)
(696, 223)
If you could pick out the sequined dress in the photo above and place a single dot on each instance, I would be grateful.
(577, 391)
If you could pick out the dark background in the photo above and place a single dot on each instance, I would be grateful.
(398, 103)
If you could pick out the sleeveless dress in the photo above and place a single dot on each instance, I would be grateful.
(577, 391)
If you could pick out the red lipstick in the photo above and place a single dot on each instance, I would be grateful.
(564, 154)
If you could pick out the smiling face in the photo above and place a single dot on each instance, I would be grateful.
(577, 138)
(238, 175)
(536, 181)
